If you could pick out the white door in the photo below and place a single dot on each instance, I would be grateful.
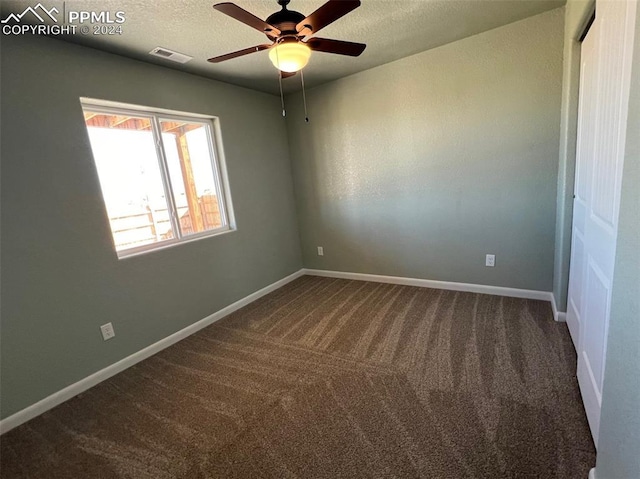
(604, 96)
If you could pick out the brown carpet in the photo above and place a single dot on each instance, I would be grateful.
(329, 378)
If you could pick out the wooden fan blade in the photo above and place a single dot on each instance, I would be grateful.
(336, 46)
(326, 14)
(287, 74)
(239, 53)
(234, 11)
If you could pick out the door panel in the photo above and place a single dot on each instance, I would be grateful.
(584, 152)
(575, 292)
(598, 292)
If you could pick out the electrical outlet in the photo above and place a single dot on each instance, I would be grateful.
(490, 260)
(320, 251)
(107, 331)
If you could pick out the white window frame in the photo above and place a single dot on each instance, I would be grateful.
(218, 167)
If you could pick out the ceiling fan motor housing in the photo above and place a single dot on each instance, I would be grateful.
(285, 21)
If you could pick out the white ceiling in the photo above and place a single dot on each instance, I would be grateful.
(392, 29)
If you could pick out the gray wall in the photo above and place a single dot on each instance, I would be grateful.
(60, 276)
(577, 15)
(419, 167)
(619, 440)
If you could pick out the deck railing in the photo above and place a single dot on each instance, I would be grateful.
(150, 226)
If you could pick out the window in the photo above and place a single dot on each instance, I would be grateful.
(161, 175)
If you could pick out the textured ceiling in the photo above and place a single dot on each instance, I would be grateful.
(392, 29)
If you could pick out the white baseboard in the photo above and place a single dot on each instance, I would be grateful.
(428, 283)
(592, 473)
(74, 389)
(559, 316)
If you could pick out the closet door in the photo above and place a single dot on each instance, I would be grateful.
(604, 96)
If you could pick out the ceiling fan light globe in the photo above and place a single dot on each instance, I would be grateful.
(290, 57)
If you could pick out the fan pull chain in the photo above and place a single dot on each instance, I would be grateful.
(304, 97)
(284, 112)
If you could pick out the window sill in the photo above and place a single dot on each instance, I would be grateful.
(152, 248)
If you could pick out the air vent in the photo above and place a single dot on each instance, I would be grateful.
(170, 55)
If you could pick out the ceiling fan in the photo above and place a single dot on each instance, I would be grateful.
(287, 30)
